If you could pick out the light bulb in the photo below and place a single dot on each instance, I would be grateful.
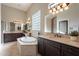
(50, 11)
(29, 18)
(64, 4)
(57, 11)
(54, 9)
(61, 9)
(53, 13)
(58, 7)
(66, 8)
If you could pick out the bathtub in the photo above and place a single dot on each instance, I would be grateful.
(27, 46)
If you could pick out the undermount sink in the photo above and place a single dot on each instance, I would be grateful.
(27, 39)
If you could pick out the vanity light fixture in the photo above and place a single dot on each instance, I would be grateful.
(17, 21)
(28, 21)
(61, 9)
(56, 8)
(53, 12)
(66, 8)
(57, 11)
(64, 5)
(50, 11)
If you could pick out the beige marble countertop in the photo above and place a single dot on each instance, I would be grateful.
(63, 40)
(13, 32)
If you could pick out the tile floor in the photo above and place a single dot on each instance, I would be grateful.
(10, 49)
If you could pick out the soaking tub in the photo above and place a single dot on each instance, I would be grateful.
(27, 46)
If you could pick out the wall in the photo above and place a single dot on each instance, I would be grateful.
(9, 14)
(0, 23)
(44, 11)
(72, 15)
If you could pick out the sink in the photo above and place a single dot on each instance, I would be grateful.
(27, 39)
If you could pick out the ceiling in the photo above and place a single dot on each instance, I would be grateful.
(20, 6)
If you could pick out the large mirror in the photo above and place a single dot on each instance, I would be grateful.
(65, 21)
(63, 26)
(11, 26)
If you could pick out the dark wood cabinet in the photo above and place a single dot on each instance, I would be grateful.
(52, 51)
(51, 48)
(41, 46)
(48, 48)
(10, 37)
(67, 50)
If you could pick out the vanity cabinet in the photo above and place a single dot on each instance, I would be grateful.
(67, 50)
(10, 37)
(52, 48)
(47, 47)
(41, 46)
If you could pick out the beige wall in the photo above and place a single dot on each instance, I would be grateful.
(0, 23)
(44, 11)
(72, 15)
(10, 14)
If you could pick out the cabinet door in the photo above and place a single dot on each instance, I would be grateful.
(51, 50)
(69, 50)
(66, 53)
(40, 46)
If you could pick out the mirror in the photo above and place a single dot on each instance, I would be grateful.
(63, 27)
(65, 22)
(12, 26)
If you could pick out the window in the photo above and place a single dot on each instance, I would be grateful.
(36, 20)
